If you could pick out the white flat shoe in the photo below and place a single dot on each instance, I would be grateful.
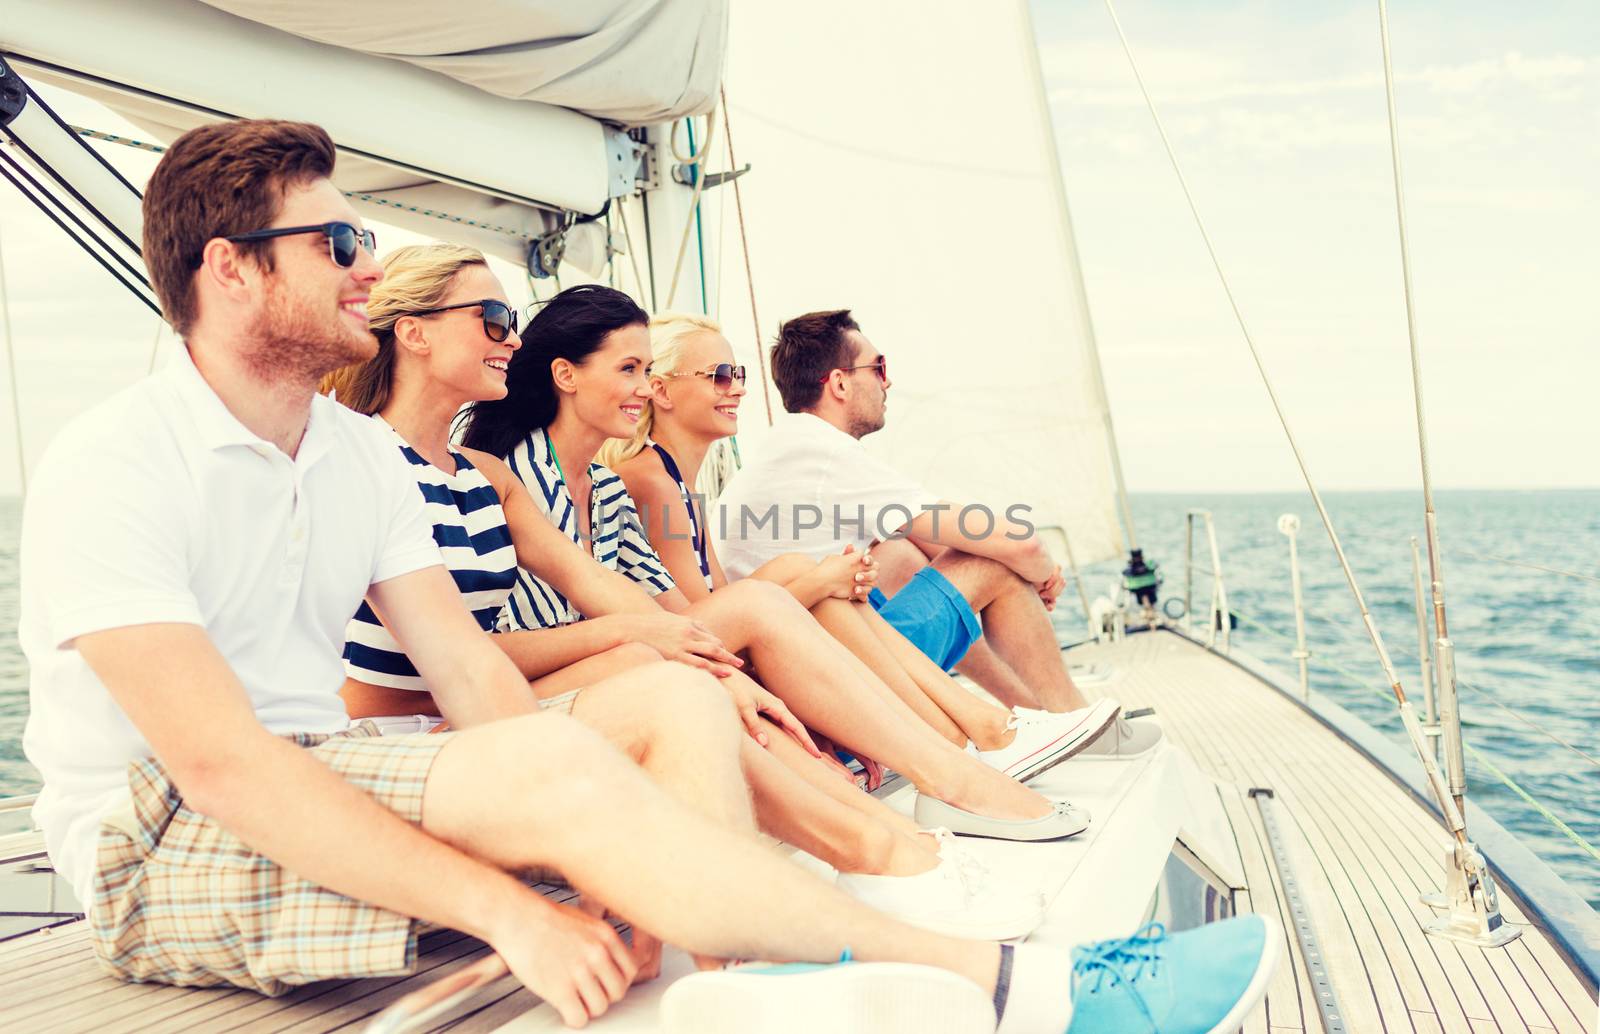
(1063, 821)
(957, 898)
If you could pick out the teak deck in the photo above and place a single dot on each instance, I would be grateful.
(1362, 848)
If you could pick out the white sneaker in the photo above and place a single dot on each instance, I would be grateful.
(804, 998)
(1044, 740)
(957, 898)
(1126, 739)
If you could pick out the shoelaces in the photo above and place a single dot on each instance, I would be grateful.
(1124, 960)
(972, 873)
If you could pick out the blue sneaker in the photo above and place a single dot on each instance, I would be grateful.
(808, 998)
(1202, 981)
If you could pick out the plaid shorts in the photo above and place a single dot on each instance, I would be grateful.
(180, 900)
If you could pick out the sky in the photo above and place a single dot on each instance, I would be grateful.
(1277, 114)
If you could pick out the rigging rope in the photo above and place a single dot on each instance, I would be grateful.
(1452, 811)
(633, 257)
(744, 244)
(11, 366)
(697, 162)
(1523, 563)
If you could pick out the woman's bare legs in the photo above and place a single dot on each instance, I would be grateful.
(984, 723)
(796, 799)
(956, 715)
(803, 816)
(821, 779)
(829, 690)
(544, 791)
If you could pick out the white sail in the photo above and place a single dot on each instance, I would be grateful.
(901, 168)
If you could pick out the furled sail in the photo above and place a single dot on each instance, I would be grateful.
(631, 61)
(902, 168)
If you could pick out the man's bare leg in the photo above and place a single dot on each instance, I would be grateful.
(1017, 627)
(983, 666)
(820, 682)
(899, 560)
(542, 790)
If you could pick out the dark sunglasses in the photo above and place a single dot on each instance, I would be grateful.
(880, 364)
(499, 319)
(723, 376)
(343, 239)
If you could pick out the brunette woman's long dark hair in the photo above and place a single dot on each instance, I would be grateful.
(569, 326)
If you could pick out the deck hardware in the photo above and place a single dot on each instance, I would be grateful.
(1218, 617)
(1289, 525)
(1305, 932)
(13, 94)
(1140, 579)
(684, 173)
(1430, 702)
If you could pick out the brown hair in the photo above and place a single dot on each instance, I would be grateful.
(414, 278)
(219, 180)
(809, 348)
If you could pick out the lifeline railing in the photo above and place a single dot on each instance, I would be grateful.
(1218, 615)
(1448, 727)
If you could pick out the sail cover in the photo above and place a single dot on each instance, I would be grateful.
(629, 61)
(902, 168)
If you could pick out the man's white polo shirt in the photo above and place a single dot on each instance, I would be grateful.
(160, 506)
(810, 488)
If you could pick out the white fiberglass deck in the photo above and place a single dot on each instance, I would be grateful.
(1363, 851)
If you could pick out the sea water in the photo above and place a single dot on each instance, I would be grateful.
(1528, 641)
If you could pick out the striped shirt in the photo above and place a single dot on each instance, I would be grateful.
(697, 535)
(470, 529)
(617, 538)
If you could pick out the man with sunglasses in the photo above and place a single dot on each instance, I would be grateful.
(192, 550)
(810, 487)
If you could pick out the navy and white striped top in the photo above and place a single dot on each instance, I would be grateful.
(470, 528)
(697, 536)
(618, 540)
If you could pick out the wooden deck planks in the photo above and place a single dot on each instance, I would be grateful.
(1376, 847)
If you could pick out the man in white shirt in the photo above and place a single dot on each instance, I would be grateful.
(192, 552)
(812, 488)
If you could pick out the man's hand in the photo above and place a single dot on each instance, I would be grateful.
(1050, 589)
(572, 960)
(645, 949)
(681, 639)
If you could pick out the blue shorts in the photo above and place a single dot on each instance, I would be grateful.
(933, 614)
